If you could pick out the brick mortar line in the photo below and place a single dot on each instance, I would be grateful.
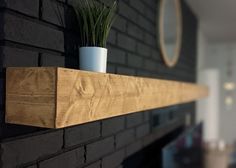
(140, 13)
(137, 139)
(136, 24)
(130, 52)
(10, 43)
(33, 19)
(150, 7)
(135, 39)
(54, 26)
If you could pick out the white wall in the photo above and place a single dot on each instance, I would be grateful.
(212, 55)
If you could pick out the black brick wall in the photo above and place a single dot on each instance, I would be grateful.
(31, 34)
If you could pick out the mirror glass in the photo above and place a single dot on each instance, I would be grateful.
(170, 30)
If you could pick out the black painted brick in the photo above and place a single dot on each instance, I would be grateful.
(151, 65)
(143, 73)
(32, 33)
(112, 37)
(116, 55)
(52, 60)
(144, 50)
(156, 55)
(134, 119)
(127, 11)
(152, 15)
(135, 61)
(28, 7)
(146, 116)
(82, 133)
(111, 68)
(113, 125)
(146, 24)
(126, 42)
(32, 166)
(94, 165)
(150, 40)
(120, 23)
(135, 31)
(69, 159)
(142, 130)
(99, 148)
(53, 12)
(18, 57)
(125, 70)
(133, 148)
(17, 152)
(113, 160)
(138, 5)
(125, 137)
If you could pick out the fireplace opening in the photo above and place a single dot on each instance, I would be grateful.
(151, 156)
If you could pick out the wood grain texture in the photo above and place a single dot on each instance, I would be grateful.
(60, 97)
(30, 96)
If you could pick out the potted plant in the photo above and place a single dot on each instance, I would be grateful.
(94, 20)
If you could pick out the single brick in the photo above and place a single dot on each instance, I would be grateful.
(113, 125)
(150, 14)
(28, 7)
(127, 11)
(138, 5)
(125, 71)
(150, 40)
(32, 33)
(143, 73)
(135, 31)
(100, 148)
(113, 160)
(18, 57)
(150, 65)
(120, 23)
(151, 4)
(82, 133)
(146, 24)
(125, 137)
(21, 151)
(133, 148)
(134, 119)
(54, 12)
(52, 60)
(143, 50)
(116, 55)
(111, 68)
(135, 61)
(155, 54)
(112, 37)
(142, 130)
(69, 159)
(146, 116)
(94, 165)
(126, 42)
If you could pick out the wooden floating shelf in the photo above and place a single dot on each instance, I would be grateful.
(59, 97)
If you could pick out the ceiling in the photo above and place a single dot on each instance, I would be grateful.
(217, 18)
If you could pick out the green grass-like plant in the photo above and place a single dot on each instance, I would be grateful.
(95, 20)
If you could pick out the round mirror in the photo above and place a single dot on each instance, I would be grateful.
(170, 30)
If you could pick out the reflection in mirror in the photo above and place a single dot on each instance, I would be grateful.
(170, 30)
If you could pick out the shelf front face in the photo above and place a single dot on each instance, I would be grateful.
(79, 97)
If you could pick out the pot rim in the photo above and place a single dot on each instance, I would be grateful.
(92, 47)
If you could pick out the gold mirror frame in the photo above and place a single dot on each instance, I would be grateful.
(172, 62)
